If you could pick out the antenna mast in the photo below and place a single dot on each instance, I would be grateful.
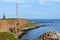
(17, 9)
(17, 13)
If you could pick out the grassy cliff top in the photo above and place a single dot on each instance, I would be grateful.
(23, 23)
(14, 19)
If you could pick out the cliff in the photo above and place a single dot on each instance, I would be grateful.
(10, 25)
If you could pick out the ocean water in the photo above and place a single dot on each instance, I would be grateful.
(45, 20)
(52, 24)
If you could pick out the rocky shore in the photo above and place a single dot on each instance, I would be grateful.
(50, 35)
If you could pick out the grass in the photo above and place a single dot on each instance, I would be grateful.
(10, 19)
(7, 36)
(28, 25)
(15, 19)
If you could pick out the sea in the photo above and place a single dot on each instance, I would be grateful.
(50, 24)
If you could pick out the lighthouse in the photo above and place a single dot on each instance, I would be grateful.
(4, 17)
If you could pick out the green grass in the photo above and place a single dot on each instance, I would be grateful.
(28, 25)
(7, 36)
(15, 19)
(10, 19)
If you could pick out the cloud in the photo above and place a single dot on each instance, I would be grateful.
(20, 1)
(24, 3)
(41, 2)
(9, 0)
(53, 0)
(47, 1)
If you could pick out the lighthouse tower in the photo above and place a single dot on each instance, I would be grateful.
(4, 17)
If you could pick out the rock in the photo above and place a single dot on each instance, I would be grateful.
(50, 35)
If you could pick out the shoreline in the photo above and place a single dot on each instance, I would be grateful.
(24, 31)
(31, 28)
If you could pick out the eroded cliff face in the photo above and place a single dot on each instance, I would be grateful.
(50, 35)
(5, 25)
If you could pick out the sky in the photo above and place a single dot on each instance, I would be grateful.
(31, 9)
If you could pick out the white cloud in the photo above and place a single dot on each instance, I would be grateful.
(44, 1)
(20, 1)
(53, 0)
(8, 0)
(41, 1)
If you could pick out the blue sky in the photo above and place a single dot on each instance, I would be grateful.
(31, 9)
